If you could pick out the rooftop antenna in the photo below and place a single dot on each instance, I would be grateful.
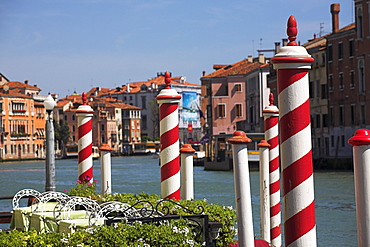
(260, 43)
(321, 29)
(253, 47)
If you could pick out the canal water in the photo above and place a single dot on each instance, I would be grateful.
(334, 191)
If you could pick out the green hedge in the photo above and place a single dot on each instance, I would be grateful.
(176, 233)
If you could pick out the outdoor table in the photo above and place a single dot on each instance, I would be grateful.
(46, 221)
(70, 226)
(21, 216)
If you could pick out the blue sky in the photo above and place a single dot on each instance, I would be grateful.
(73, 45)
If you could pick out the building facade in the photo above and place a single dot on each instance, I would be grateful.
(143, 95)
(22, 121)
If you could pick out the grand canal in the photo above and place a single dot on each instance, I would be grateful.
(334, 191)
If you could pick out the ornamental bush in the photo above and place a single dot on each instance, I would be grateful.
(175, 233)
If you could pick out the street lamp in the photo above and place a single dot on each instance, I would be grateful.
(49, 104)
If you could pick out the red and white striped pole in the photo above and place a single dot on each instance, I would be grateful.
(292, 64)
(264, 190)
(361, 164)
(187, 176)
(168, 100)
(271, 116)
(84, 115)
(243, 200)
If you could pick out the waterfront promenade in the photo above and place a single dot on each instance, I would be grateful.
(334, 191)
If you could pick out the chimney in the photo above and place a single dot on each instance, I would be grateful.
(334, 10)
(277, 47)
(203, 73)
(285, 42)
(128, 87)
(261, 58)
(250, 59)
(26, 82)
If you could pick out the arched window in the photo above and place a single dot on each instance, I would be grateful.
(359, 24)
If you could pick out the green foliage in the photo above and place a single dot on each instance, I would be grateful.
(174, 233)
(62, 133)
(84, 188)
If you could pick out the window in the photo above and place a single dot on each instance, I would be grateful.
(323, 58)
(332, 141)
(353, 114)
(144, 121)
(362, 114)
(221, 111)
(341, 115)
(340, 50)
(331, 115)
(359, 24)
(361, 79)
(65, 117)
(341, 82)
(343, 142)
(311, 89)
(102, 128)
(238, 87)
(325, 120)
(351, 48)
(73, 117)
(238, 110)
(330, 53)
(324, 91)
(352, 78)
(317, 89)
(330, 80)
(251, 114)
(143, 102)
(318, 122)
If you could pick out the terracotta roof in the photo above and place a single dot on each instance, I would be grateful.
(348, 27)
(13, 93)
(135, 86)
(17, 84)
(242, 67)
(316, 42)
(98, 91)
(105, 102)
(322, 40)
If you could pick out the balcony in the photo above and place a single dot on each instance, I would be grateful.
(18, 112)
(19, 136)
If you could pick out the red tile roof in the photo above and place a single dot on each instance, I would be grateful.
(242, 67)
(17, 84)
(159, 80)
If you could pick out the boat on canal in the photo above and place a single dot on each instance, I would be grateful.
(219, 156)
(72, 151)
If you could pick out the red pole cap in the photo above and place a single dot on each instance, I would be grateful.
(187, 149)
(84, 98)
(263, 144)
(239, 137)
(292, 31)
(361, 137)
(105, 147)
(167, 79)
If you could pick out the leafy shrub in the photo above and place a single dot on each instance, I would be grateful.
(176, 233)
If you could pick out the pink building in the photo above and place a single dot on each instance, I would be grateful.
(233, 99)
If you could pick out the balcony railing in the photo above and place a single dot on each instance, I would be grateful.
(19, 136)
